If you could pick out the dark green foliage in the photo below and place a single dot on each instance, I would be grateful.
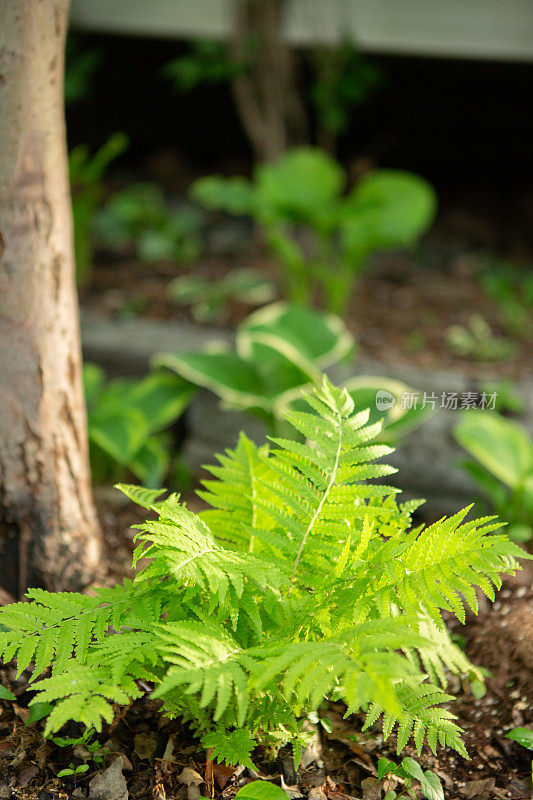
(343, 79)
(139, 219)
(322, 237)
(305, 580)
(503, 467)
(207, 62)
(86, 173)
(128, 420)
(512, 290)
(81, 64)
(209, 300)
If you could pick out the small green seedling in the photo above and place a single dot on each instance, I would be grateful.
(87, 748)
(73, 770)
(86, 173)
(476, 340)
(209, 299)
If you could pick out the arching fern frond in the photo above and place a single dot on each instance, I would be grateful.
(180, 547)
(57, 624)
(240, 475)
(304, 580)
(422, 717)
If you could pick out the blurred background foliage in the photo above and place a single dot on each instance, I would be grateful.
(377, 199)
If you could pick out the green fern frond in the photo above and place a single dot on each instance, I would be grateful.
(56, 624)
(234, 513)
(206, 664)
(443, 565)
(84, 693)
(422, 717)
(141, 496)
(181, 547)
(231, 747)
(305, 579)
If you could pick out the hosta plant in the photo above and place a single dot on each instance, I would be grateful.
(278, 351)
(303, 580)
(502, 450)
(321, 236)
(128, 423)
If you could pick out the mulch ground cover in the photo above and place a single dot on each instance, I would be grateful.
(399, 313)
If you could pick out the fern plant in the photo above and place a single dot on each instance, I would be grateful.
(304, 579)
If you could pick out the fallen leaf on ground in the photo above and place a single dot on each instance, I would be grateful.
(168, 755)
(371, 789)
(109, 784)
(316, 793)
(27, 774)
(145, 745)
(190, 777)
(222, 774)
(480, 790)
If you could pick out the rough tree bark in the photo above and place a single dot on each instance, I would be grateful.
(49, 534)
(267, 96)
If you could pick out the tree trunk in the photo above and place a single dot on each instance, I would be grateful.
(49, 535)
(267, 95)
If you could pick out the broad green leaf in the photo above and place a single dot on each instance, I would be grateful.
(501, 445)
(234, 195)
(301, 186)
(432, 786)
(429, 782)
(385, 766)
(311, 339)
(5, 694)
(150, 463)
(261, 790)
(491, 486)
(161, 397)
(38, 711)
(120, 434)
(385, 398)
(387, 208)
(523, 736)
(413, 768)
(223, 372)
